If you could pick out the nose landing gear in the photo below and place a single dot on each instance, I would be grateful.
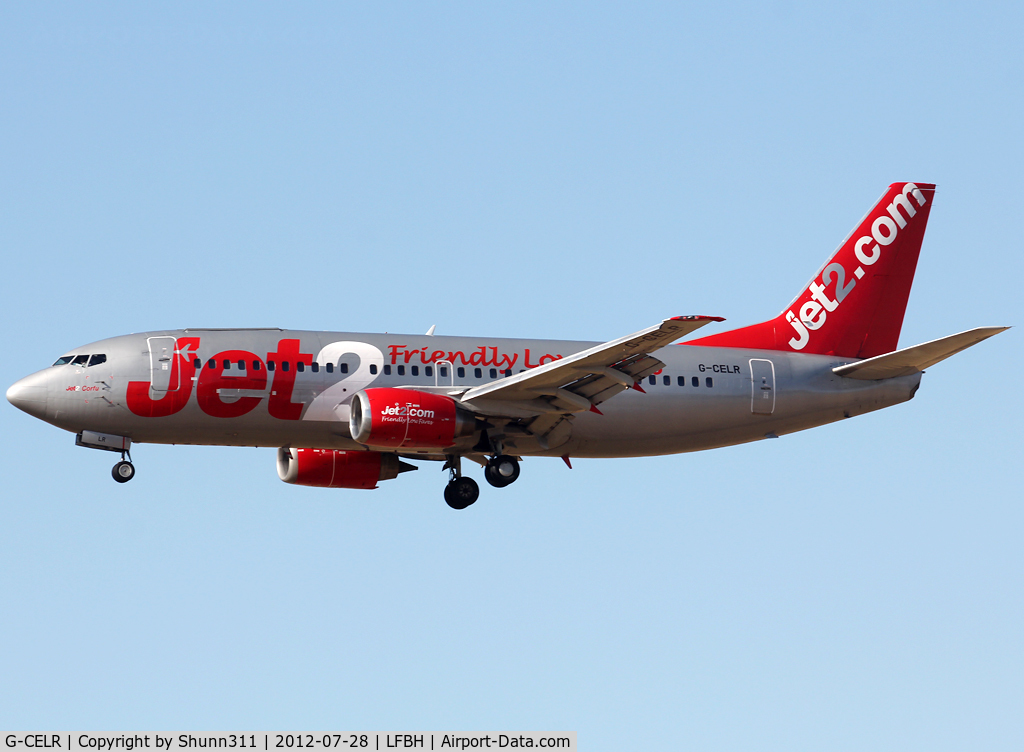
(124, 470)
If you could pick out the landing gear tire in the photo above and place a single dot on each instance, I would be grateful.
(502, 471)
(123, 471)
(461, 492)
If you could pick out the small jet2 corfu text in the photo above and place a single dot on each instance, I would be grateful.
(346, 410)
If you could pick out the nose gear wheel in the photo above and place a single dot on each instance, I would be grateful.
(123, 471)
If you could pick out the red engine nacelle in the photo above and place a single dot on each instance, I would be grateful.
(407, 419)
(332, 468)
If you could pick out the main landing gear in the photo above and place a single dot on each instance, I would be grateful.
(462, 491)
(502, 471)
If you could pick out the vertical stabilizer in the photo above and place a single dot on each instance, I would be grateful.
(854, 306)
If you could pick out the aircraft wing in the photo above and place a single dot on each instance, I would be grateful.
(915, 359)
(578, 382)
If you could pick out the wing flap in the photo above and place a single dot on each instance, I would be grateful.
(593, 374)
(915, 359)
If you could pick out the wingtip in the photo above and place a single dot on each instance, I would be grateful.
(697, 318)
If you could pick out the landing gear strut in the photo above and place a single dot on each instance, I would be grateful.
(502, 471)
(460, 491)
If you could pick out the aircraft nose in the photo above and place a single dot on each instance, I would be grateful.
(29, 395)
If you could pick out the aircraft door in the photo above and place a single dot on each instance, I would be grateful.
(762, 386)
(443, 371)
(162, 374)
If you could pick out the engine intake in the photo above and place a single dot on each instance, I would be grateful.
(333, 468)
(407, 419)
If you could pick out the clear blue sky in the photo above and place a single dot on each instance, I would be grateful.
(567, 171)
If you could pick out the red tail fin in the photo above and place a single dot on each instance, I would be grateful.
(854, 306)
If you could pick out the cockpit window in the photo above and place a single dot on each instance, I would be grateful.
(80, 360)
(64, 361)
(95, 360)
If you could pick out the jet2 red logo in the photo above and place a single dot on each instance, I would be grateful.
(213, 378)
(814, 305)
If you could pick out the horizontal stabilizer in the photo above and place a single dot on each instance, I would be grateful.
(916, 359)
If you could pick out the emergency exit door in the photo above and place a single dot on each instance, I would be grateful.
(762, 386)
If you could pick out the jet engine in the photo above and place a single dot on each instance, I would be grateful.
(332, 468)
(407, 419)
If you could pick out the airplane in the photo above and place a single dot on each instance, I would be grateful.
(351, 410)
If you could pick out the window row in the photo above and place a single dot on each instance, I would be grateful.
(257, 365)
(81, 360)
(428, 371)
(460, 372)
(681, 381)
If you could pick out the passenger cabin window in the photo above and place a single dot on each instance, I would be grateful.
(330, 368)
(652, 380)
(241, 365)
(508, 371)
(681, 381)
(284, 365)
(695, 381)
(300, 366)
(494, 373)
(666, 380)
(315, 367)
(415, 370)
(373, 368)
(95, 360)
(428, 370)
(343, 367)
(197, 364)
(461, 372)
(256, 365)
(401, 370)
(63, 361)
(271, 365)
(80, 360)
(387, 370)
(444, 372)
(478, 373)
(708, 382)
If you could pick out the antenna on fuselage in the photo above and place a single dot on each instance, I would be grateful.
(430, 331)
